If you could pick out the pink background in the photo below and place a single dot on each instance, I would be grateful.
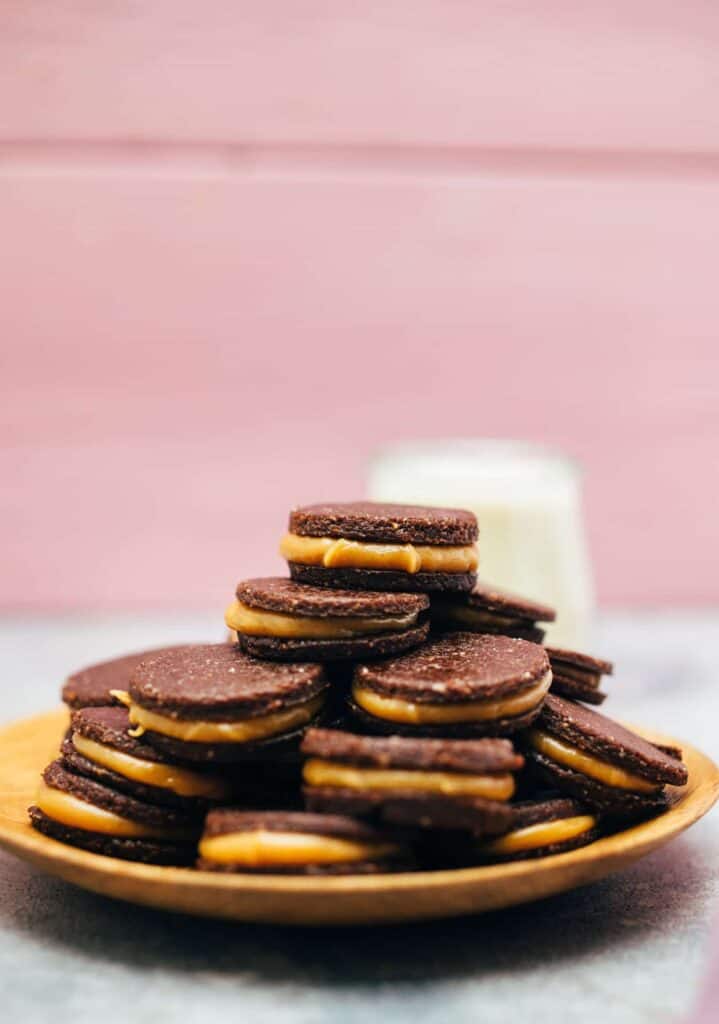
(245, 244)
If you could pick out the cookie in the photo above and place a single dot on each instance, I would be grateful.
(100, 746)
(587, 755)
(90, 687)
(425, 783)
(578, 676)
(279, 619)
(82, 812)
(458, 684)
(365, 545)
(213, 702)
(540, 828)
(488, 609)
(298, 843)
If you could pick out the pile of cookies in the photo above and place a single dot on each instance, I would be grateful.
(378, 710)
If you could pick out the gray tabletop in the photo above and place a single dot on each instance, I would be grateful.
(633, 946)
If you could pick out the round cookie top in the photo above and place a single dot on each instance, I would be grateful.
(211, 681)
(90, 687)
(581, 661)
(110, 726)
(386, 523)
(277, 594)
(496, 599)
(465, 756)
(99, 795)
(608, 740)
(458, 667)
(224, 820)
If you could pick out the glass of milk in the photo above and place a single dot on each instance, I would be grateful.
(528, 502)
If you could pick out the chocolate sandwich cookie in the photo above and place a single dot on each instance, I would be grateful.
(213, 702)
(585, 754)
(100, 746)
(368, 546)
(91, 686)
(540, 828)
(458, 684)
(425, 783)
(578, 676)
(297, 843)
(82, 812)
(488, 609)
(282, 620)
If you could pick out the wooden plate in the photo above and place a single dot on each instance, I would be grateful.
(27, 746)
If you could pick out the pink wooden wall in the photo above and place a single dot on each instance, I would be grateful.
(243, 244)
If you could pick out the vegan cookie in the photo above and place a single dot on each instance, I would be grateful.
(82, 812)
(458, 684)
(294, 842)
(425, 783)
(540, 828)
(100, 746)
(213, 702)
(280, 619)
(370, 546)
(578, 676)
(488, 609)
(587, 755)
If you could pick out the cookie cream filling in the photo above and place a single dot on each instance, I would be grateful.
(394, 709)
(70, 810)
(354, 554)
(545, 833)
(258, 622)
(181, 781)
(318, 772)
(265, 849)
(566, 754)
(241, 731)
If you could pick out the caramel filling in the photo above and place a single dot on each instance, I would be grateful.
(181, 781)
(354, 554)
(543, 834)
(317, 772)
(396, 710)
(76, 813)
(475, 618)
(258, 622)
(242, 731)
(263, 849)
(579, 761)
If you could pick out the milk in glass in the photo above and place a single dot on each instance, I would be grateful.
(528, 503)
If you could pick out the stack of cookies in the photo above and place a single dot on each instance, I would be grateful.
(381, 710)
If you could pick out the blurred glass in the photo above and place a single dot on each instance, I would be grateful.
(528, 502)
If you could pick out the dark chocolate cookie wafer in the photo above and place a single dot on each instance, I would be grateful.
(82, 812)
(425, 783)
(599, 761)
(279, 619)
(457, 684)
(213, 702)
(100, 746)
(578, 676)
(288, 842)
(161, 852)
(488, 609)
(371, 546)
(386, 523)
(90, 687)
